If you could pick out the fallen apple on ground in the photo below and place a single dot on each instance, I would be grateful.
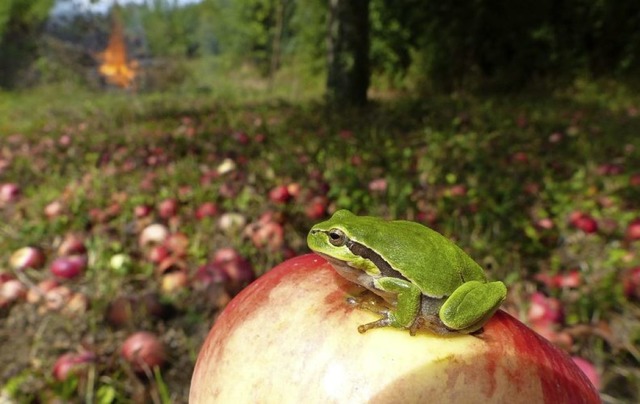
(291, 336)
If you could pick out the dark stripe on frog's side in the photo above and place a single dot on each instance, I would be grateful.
(378, 261)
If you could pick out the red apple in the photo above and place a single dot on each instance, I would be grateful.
(211, 273)
(158, 253)
(27, 257)
(631, 283)
(77, 305)
(168, 208)
(53, 209)
(144, 351)
(69, 267)
(294, 189)
(610, 169)
(72, 363)
(378, 185)
(178, 244)
(57, 297)
(520, 158)
(633, 230)
(291, 336)
(316, 208)
(544, 223)
(173, 282)
(457, 191)
(555, 137)
(545, 310)
(231, 221)
(9, 192)
(207, 209)
(10, 291)
(153, 234)
(241, 137)
(588, 369)
(38, 292)
(72, 244)
(280, 194)
(238, 269)
(141, 211)
(584, 222)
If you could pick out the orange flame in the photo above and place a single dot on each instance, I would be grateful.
(115, 66)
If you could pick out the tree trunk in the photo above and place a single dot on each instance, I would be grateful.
(348, 52)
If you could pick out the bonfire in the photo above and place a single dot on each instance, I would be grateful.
(115, 65)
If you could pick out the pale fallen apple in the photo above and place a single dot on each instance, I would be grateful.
(291, 336)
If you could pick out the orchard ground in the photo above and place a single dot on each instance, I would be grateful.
(543, 191)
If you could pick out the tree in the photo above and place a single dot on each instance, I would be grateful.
(21, 22)
(348, 67)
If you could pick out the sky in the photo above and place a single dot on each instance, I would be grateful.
(99, 6)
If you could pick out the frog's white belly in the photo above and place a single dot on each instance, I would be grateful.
(359, 277)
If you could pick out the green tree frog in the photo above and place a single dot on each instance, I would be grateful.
(427, 281)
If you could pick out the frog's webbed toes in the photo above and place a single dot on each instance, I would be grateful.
(383, 322)
(369, 302)
(430, 323)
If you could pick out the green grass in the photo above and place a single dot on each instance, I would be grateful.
(498, 148)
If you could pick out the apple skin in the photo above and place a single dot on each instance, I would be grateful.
(290, 336)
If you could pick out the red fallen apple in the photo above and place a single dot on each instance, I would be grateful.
(168, 208)
(378, 185)
(37, 293)
(520, 158)
(280, 194)
(631, 283)
(69, 267)
(9, 192)
(238, 269)
(141, 211)
(316, 208)
(178, 244)
(27, 257)
(173, 282)
(158, 253)
(589, 370)
(72, 363)
(545, 309)
(207, 209)
(633, 230)
(456, 191)
(53, 209)
(73, 244)
(584, 222)
(211, 273)
(143, 350)
(10, 291)
(153, 234)
(291, 336)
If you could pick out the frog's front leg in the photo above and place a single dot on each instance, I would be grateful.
(407, 304)
(471, 305)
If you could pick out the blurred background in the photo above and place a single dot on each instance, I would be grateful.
(409, 46)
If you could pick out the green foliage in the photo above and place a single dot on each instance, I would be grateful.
(20, 24)
(507, 44)
(169, 29)
(256, 31)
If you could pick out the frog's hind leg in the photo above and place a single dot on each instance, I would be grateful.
(428, 318)
(472, 305)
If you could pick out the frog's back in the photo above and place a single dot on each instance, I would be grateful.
(431, 254)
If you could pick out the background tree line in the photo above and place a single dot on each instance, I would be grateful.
(431, 44)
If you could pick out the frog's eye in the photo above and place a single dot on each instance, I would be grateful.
(337, 237)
